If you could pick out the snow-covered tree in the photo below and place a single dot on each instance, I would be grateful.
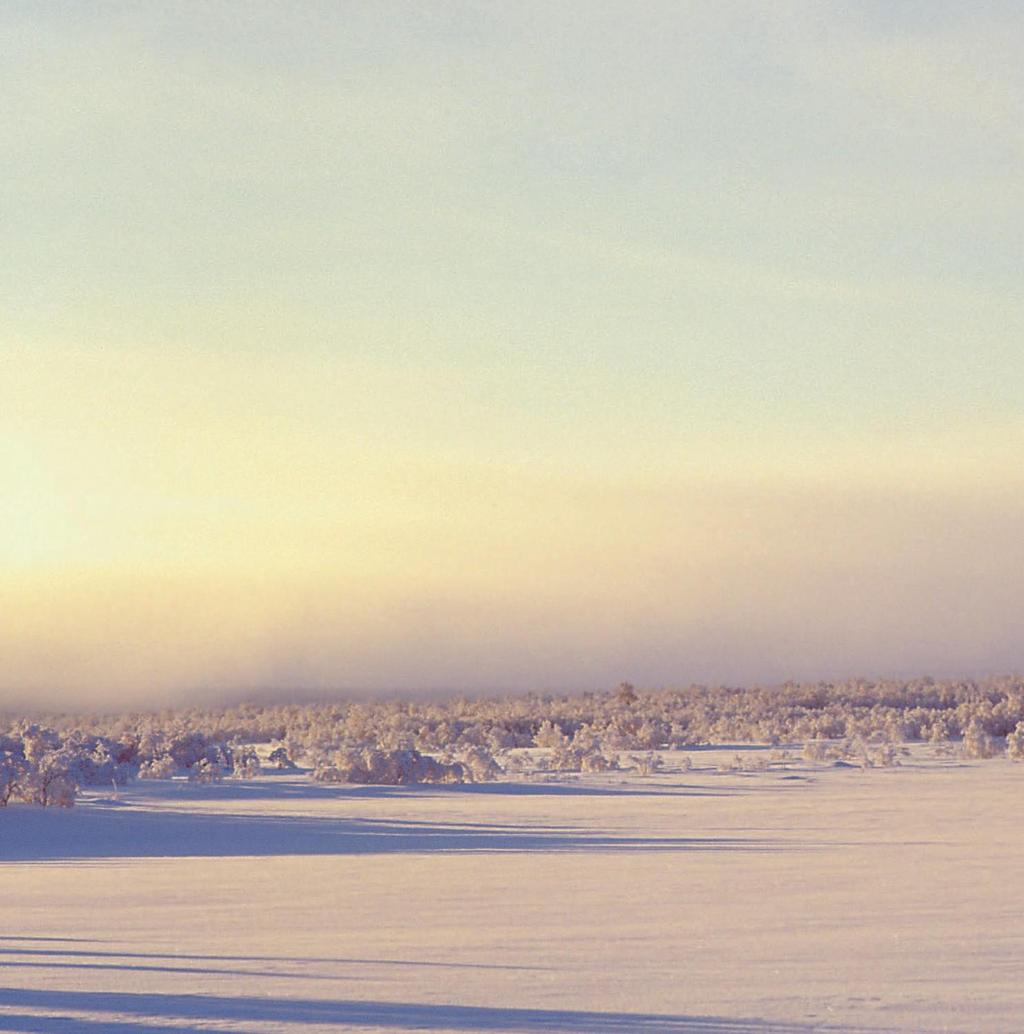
(14, 768)
(1015, 743)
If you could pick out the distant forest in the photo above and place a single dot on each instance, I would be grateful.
(47, 759)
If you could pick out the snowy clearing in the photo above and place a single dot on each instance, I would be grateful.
(807, 898)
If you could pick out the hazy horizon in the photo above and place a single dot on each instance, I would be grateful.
(513, 346)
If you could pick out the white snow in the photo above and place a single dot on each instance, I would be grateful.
(812, 898)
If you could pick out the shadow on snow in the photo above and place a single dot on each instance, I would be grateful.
(397, 1015)
(110, 959)
(90, 832)
(292, 788)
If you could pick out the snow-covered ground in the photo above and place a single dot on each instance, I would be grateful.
(798, 899)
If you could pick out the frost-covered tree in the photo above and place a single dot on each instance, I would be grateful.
(479, 765)
(386, 768)
(206, 771)
(279, 758)
(162, 767)
(647, 764)
(977, 742)
(1015, 743)
(859, 720)
(245, 762)
(55, 779)
(14, 768)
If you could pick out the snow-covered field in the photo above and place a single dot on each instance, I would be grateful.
(796, 899)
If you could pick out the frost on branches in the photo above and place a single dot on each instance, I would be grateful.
(386, 768)
(863, 723)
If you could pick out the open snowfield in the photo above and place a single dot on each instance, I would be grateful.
(801, 899)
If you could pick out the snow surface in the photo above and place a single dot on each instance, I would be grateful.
(809, 898)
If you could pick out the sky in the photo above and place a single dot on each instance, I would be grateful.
(507, 345)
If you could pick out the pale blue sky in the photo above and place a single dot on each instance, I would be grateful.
(663, 248)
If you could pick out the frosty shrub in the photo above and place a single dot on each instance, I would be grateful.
(54, 780)
(860, 720)
(549, 735)
(884, 755)
(478, 765)
(205, 771)
(37, 742)
(819, 751)
(517, 763)
(279, 758)
(626, 694)
(159, 768)
(43, 767)
(1014, 744)
(14, 768)
(577, 759)
(245, 762)
(647, 764)
(977, 743)
(386, 768)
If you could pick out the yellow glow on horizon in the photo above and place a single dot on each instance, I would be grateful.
(230, 519)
